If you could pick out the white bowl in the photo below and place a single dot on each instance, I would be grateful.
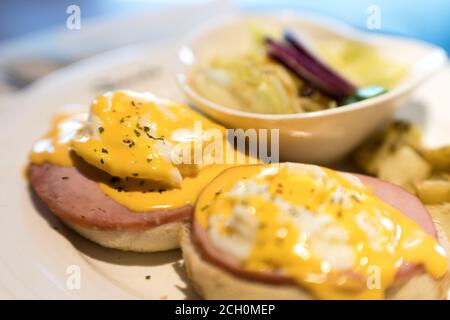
(314, 137)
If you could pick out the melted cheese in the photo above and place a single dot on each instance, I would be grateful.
(101, 154)
(323, 229)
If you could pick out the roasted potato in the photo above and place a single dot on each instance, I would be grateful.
(439, 158)
(404, 167)
(397, 155)
(434, 190)
(372, 153)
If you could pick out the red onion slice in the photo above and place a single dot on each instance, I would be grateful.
(294, 56)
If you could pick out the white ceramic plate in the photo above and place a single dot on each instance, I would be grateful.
(34, 257)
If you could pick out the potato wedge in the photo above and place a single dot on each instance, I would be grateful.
(434, 190)
(398, 156)
(439, 158)
(404, 167)
(373, 153)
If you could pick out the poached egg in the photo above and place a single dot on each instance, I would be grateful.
(324, 229)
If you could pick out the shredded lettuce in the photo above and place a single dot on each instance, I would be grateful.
(254, 83)
(361, 63)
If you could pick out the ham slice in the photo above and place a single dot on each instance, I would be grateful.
(74, 197)
(401, 200)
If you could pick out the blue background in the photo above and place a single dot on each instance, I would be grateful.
(424, 19)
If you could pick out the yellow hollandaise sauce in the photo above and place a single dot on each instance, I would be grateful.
(323, 229)
(54, 146)
(126, 144)
(133, 135)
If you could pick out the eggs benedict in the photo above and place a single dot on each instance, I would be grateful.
(111, 174)
(295, 231)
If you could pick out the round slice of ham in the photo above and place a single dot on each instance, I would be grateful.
(392, 194)
(74, 197)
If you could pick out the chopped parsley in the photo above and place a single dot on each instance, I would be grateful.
(115, 179)
(155, 138)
